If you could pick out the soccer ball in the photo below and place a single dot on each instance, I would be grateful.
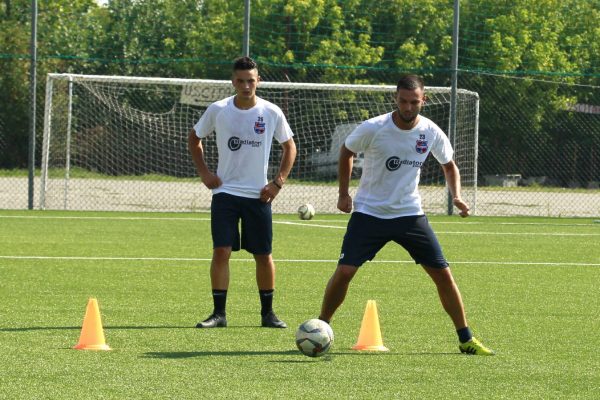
(314, 337)
(306, 211)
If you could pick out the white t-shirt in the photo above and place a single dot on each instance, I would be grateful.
(392, 165)
(244, 139)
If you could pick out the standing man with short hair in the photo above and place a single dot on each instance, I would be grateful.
(387, 206)
(245, 126)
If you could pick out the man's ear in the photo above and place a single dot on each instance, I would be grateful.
(425, 98)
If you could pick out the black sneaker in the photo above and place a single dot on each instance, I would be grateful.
(213, 321)
(270, 320)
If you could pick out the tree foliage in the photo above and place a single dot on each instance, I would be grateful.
(350, 41)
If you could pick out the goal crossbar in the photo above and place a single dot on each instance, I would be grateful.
(263, 84)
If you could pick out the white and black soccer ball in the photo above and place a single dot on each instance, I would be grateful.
(314, 338)
(306, 211)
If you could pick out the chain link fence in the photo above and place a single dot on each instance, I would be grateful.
(545, 157)
(539, 133)
(532, 160)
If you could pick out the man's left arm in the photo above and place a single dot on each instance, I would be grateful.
(453, 181)
(288, 157)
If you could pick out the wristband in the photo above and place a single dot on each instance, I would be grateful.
(276, 184)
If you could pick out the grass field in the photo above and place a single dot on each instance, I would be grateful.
(530, 287)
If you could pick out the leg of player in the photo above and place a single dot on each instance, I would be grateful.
(265, 280)
(449, 295)
(451, 300)
(336, 290)
(219, 268)
(219, 279)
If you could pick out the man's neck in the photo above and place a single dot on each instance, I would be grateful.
(244, 104)
(400, 123)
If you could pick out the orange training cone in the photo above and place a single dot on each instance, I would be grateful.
(369, 337)
(92, 335)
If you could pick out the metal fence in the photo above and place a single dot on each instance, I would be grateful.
(539, 134)
(529, 165)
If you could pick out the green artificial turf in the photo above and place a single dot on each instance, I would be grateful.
(530, 287)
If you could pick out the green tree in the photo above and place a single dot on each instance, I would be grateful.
(304, 37)
(547, 39)
(144, 38)
(216, 38)
(14, 85)
(338, 41)
(417, 37)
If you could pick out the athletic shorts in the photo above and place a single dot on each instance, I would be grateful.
(227, 211)
(366, 235)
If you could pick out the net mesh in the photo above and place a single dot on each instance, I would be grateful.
(116, 143)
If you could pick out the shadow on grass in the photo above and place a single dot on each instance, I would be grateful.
(298, 357)
(353, 353)
(301, 359)
(190, 354)
(116, 327)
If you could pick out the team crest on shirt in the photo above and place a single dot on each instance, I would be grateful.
(421, 146)
(259, 126)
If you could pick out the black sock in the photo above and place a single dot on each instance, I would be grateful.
(464, 334)
(219, 300)
(266, 301)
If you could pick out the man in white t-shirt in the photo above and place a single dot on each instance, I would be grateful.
(387, 206)
(245, 126)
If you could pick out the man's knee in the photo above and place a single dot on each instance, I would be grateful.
(345, 273)
(221, 254)
(441, 276)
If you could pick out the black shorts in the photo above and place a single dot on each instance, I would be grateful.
(227, 210)
(366, 235)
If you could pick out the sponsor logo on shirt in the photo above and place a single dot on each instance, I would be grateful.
(235, 143)
(421, 146)
(259, 126)
(393, 163)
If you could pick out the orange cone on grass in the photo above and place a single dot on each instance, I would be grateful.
(92, 335)
(369, 337)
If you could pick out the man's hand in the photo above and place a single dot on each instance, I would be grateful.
(211, 181)
(344, 203)
(462, 206)
(269, 192)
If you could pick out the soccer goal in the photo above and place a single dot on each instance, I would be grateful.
(120, 143)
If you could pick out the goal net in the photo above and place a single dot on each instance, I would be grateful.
(120, 143)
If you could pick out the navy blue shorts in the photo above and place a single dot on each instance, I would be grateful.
(366, 235)
(227, 210)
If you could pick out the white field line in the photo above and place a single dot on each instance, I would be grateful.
(516, 233)
(251, 260)
(104, 218)
(313, 225)
(455, 232)
(344, 221)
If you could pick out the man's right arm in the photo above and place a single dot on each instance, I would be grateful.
(195, 148)
(345, 163)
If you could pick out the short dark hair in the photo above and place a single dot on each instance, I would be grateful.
(410, 82)
(244, 64)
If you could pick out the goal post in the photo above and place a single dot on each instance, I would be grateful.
(120, 143)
